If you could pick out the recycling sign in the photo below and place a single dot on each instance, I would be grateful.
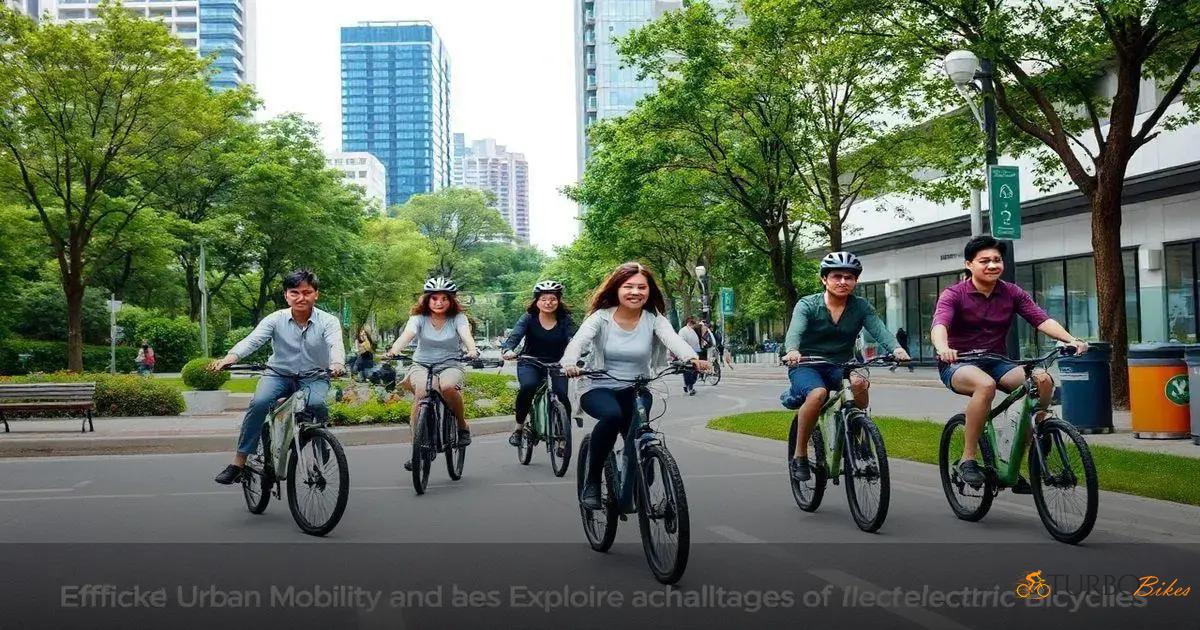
(1176, 390)
(1004, 192)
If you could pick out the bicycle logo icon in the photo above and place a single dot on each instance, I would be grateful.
(1034, 587)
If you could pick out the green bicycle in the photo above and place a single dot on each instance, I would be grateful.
(1060, 464)
(297, 448)
(855, 449)
(548, 422)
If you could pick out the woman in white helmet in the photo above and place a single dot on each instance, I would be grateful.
(546, 328)
(440, 327)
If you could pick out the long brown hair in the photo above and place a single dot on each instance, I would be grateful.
(606, 295)
(422, 305)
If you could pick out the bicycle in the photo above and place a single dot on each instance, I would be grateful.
(628, 478)
(310, 456)
(1051, 467)
(548, 421)
(713, 376)
(1033, 586)
(436, 430)
(858, 453)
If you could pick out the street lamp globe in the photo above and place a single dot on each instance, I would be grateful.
(961, 66)
(700, 271)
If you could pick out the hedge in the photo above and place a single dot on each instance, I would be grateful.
(175, 340)
(196, 375)
(118, 395)
(51, 356)
(480, 387)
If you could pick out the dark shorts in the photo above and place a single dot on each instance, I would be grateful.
(994, 368)
(806, 378)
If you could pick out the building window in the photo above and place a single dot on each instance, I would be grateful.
(1182, 288)
(921, 295)
(1066, 289)
(876, 294)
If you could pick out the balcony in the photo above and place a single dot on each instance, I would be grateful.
(589, 16)
(589, 37)
(591, 104)
(591, 81)
(591, 61)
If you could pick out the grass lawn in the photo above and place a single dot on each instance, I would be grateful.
(1153, 475)
(235, 385)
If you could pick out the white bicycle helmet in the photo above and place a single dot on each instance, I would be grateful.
(547, 286)
(440, 285)
(844, 261)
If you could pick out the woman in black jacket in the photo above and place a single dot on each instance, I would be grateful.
(546, 328)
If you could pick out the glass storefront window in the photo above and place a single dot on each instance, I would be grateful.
(1181, 288)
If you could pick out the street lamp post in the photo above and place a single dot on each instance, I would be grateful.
(966, 70)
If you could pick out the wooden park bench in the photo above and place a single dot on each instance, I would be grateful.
(51, 397)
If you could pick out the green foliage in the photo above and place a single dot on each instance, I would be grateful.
(397, 257)
(41, 313)
(20, 238)
(174, 339)
(233, 337)
(120, 395)
(371, 411)
(457, 221)
(51, 356)
(196, 375)
(490, 389)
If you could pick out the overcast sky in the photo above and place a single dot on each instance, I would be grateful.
(512, 73)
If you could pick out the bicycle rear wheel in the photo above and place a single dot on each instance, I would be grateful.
(808, 494)
(600, 526)
(318, 492)
(422, 449)
(663, 515)
(525, 449)
(969, 503)
(257, 476)
(715, 377)
(559, 442)
(1057, 486)
(868, 486)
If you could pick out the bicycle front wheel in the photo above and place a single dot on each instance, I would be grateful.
(257, 476)
(599, 526)
(318, 483)
(1066, 489)
(868, 486)
(422, 449)
(525, 448)
(969, 502)
(559, 443)
(808, 494)
(663, 515)
(715, 377)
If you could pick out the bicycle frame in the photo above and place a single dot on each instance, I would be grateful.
(832, 421)
(539, 412)
(285, 431)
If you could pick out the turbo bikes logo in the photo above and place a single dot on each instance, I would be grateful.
(1034, 587)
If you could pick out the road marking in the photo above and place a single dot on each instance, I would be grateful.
(36, 490)
(83, 496)
(735, 535)
(920, 616)
(82, 484)
(194, 494)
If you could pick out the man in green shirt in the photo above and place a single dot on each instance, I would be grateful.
(826, 325)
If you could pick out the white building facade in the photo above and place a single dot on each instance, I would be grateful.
(364, 170)
(485, 165)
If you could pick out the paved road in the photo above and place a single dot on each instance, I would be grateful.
(742, 516)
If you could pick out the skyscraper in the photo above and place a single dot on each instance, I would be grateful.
(223, 27)
(485, 165)
(603, 88)
(396, 103)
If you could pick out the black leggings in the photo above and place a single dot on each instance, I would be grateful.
(613, 410)
(530, 377)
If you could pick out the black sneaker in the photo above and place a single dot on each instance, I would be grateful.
(232, 474)
(590, 497)
(1022, 487)
(408, 465)
(692, 392)
(970, 472)
(799, 469)
(515, 438)
(464, 437)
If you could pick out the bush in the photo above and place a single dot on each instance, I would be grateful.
(237, 334)
(196, 375)
(493, 388)
(51, 356)
(174, 339)
(41, 313)
(119, 395)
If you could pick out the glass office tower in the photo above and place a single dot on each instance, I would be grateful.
(396, 103)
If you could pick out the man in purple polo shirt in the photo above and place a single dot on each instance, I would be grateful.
(975, 314)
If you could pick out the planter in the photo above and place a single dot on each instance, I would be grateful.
(205, 403)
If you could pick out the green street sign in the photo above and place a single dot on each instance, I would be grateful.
(726, 301)
(1176, 390)
(1004, 192)
(346, 314)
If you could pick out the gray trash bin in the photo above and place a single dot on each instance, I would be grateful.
(1192, 357)
(1086, 390)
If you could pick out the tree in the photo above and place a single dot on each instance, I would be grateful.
(21, 243)
(88, 111)
(396, 256)
(1049, 58)
(457, 221)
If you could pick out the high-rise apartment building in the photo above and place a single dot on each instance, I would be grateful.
(362, 169)
(396, 103)
(485, 165)
(221, 27)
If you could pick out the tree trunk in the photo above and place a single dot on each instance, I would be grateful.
(1110, 277)
(781, 270)
(190, 272)
(73, 287)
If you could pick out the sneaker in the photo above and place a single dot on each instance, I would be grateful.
(692, 392)
(1022, 487)
(408, 465)
(799, 469)
(464, 437)
(971, 473)
(590, 497)
(515, 438)
(231, 474)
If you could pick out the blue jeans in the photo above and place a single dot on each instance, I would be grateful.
(270, 389)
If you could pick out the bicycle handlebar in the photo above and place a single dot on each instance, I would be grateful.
(475, 362)
(849, 365)
(539, 363)
(261, 367)
(675, 367)
(1055, 353)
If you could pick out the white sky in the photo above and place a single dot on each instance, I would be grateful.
(512, 79)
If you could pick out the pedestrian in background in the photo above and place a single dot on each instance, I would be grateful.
(145, 359)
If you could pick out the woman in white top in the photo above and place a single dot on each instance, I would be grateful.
(629, 337)
(440, 327)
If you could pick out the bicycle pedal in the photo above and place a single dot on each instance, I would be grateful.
(624, 517)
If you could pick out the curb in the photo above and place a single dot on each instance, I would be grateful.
(215, 443)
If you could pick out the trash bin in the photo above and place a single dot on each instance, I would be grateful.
(1158, 391)
(1086, 389)
(1192, 357)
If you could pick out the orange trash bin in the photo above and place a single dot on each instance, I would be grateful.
(1158, 391)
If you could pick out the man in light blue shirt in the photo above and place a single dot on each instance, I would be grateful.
(303, 338)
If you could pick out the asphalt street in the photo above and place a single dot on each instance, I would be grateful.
(742, 515)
